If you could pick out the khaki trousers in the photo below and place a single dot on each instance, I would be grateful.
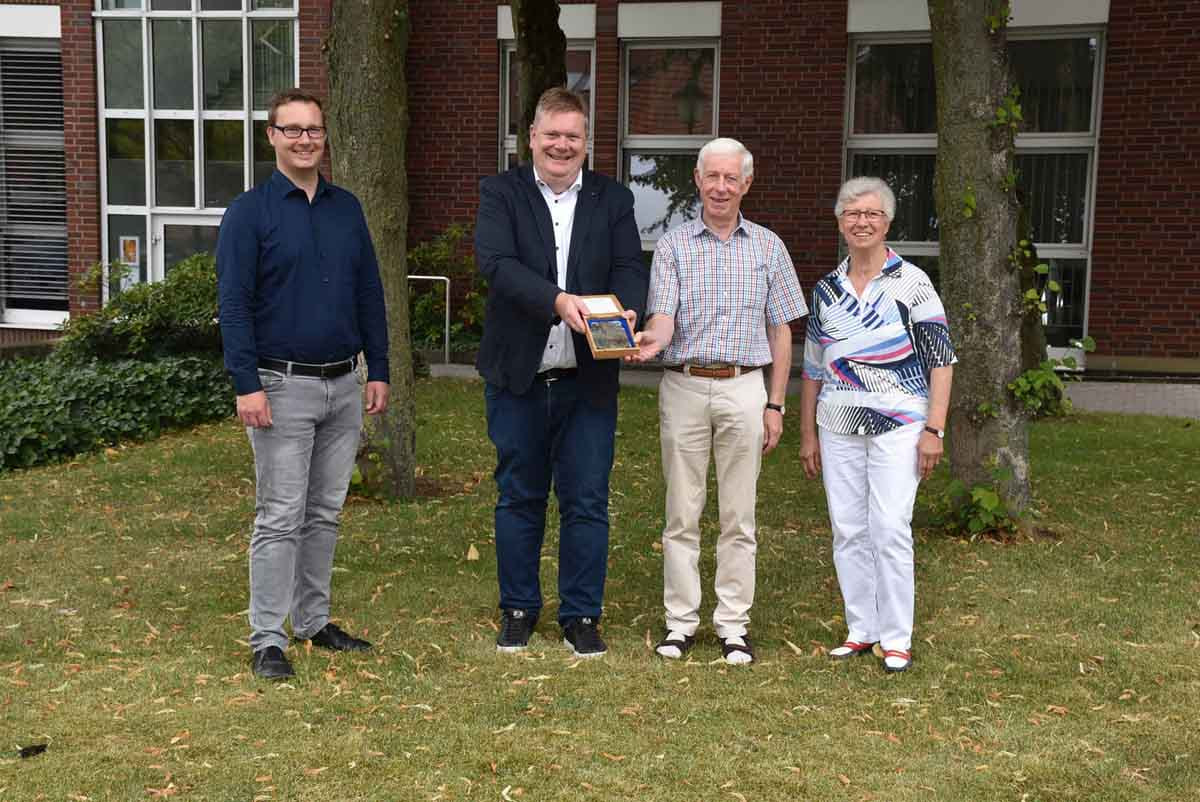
(724, 417)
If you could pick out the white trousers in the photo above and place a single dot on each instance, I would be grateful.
(871, 484)
(723, 417)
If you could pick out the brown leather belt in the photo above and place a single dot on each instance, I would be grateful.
(712, 371)
(329, 370)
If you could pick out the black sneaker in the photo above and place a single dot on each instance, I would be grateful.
(271, 663)
(581, 636)
(515, 628)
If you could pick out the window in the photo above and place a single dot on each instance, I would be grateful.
(33, 193)
(669, 100)
(891, 132)
(184, 88)
(581, 66)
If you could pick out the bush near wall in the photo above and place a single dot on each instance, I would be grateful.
(55, 408)
(447, 255)
(149, 360)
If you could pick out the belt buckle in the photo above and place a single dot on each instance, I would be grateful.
(550, 377)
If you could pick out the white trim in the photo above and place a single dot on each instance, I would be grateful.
(686, 20)
(17, 318)
(30, 22)
(577, 21)
(871, 16)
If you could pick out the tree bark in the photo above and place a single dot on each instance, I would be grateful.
(977, 212)
(368, 125)
(541, 59)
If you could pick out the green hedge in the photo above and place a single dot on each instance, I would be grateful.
(177, 315)
(55, 408)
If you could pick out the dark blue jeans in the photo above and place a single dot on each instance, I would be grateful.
(551, 432)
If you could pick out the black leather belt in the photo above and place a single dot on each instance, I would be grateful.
(554, 374)
(328, 370)
(713, 371)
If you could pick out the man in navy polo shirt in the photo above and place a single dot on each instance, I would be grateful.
(300, 297)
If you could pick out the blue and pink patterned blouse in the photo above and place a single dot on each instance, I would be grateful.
(873, 354)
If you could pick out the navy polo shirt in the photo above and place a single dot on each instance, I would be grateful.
(298, 281)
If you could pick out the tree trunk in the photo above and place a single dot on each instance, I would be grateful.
(1033, 332)
(368, 125)
(541, 59)
(977, 212)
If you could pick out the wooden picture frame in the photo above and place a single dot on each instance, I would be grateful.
(608, 332)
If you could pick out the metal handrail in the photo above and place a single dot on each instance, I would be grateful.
(447, 280)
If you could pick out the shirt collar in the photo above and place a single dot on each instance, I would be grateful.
(891, 265)
(699, 227)
(283, 186)
(576, 184)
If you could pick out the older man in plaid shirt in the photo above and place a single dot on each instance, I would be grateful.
(722, 293)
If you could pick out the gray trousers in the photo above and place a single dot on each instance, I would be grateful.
(302, 466)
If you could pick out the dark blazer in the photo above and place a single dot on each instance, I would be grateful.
(514, 248)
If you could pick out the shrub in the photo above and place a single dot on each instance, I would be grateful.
(1040, 391)
(445, 255)
(173, 316)
(55, 408)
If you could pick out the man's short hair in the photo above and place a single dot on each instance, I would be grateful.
(559, 100)
(724, 146)
(293, 95)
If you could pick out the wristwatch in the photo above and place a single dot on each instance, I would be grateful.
(780, 408)
(940, 433)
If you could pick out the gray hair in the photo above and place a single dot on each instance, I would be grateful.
(855, 188)
(724, 146)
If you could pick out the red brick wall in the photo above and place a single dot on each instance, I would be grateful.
(783, 85)
(81, 141)
(454, 111)
(1145, 290)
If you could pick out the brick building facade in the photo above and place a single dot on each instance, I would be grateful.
(817, 90)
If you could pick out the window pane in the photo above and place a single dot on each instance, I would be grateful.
(120, 5)
(220, 5)
(127, 245)
(174, 163)
(122, 64)
(664, 193)
(911, 179)
(171, 5)
(126, 145)
(31, 91)
(1054, 188)
(274, 61)
(1064, 309)
(671, 91)
(180, 242)
(893, 89)
(1055, 77)
(172, 48)
(222, 161)
(579, 79)
(34, 189)
(222, 64)
(257, 4)
(264, 154)
(33, 269)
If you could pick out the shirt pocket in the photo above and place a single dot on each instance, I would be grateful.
(754, 290)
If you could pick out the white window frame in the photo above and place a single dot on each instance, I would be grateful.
(1026, 144)
(39, 32)
(508, 142)
(669, 144)
(197, 115)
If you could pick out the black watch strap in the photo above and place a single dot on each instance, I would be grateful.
(777, 407)
(938, 433)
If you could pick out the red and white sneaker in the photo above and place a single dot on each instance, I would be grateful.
(849, 649)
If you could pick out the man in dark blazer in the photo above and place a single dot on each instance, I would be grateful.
(546, 234)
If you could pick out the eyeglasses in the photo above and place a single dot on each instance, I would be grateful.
(872, 215)
(315, 132)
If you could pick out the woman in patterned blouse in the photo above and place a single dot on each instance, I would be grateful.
(875, 390)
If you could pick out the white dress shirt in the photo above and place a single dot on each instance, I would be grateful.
(560, 347)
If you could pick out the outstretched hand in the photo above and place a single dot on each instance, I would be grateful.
(572, 310)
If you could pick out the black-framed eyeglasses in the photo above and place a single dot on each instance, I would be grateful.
(315, 132)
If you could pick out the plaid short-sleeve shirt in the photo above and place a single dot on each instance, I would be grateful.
(723, 294)
(873, 354)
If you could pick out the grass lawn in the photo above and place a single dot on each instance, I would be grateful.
(1062, 669)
